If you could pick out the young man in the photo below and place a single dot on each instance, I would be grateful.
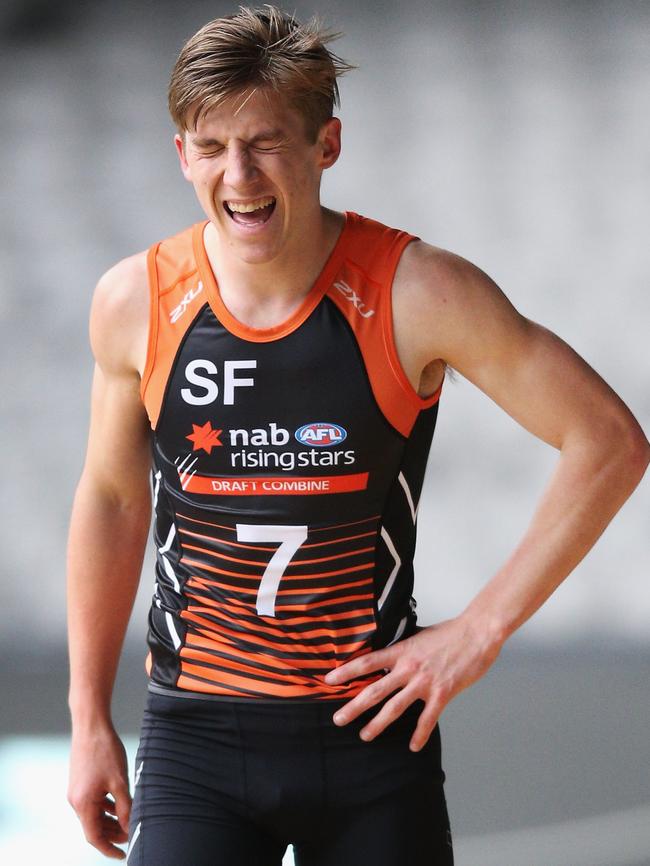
(289, 359)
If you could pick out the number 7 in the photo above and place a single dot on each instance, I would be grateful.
(291, 537)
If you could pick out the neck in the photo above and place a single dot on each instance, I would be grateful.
(286, 277)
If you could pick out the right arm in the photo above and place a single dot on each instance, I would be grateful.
(108, 531)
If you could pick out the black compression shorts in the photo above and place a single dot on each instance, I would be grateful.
(232, 783)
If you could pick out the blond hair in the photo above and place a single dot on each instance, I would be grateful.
(255, 48)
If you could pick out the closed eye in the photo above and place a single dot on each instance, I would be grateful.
(268, 144)
(214, 151)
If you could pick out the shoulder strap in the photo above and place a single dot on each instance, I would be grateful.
(362, 292)
(176, 295)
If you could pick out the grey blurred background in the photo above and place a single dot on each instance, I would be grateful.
(514, 134)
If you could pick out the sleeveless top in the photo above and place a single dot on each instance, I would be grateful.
(287, 467)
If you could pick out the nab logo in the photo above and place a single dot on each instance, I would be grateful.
(320, 433)
(352, 296)
(204, 436)
(178, 311)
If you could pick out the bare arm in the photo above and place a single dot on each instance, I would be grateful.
(448, 309)
(108, 530)
(550, 390)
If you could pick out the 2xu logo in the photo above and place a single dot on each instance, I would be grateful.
(320, 433)
(178, 311)
(352, 296)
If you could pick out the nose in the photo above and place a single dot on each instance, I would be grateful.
(240, 170)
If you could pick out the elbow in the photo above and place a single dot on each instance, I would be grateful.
(639, 454)
(615, 445)
(632, 451)
(131, 499)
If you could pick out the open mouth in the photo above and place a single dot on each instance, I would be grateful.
(250, 213)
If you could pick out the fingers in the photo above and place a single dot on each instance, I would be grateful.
(409, 673)
(98, 789)
(368, 697)
(102, 832)
(123, 806)
(112, 831)
(105, 821)
(391, 710)
(427, 720)
(364, 664)
(394, 708)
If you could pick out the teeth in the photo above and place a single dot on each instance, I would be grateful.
(250, 206)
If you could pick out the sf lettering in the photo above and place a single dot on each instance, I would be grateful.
(205, 390)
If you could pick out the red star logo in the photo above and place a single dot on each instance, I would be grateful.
(204, 437)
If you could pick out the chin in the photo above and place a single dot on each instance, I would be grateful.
(251, 249)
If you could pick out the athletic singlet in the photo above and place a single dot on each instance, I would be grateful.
(287, 467)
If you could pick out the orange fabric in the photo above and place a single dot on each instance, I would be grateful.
(363, 292)
(357, 277)
(261, 335)
(187, 681)
(317, 631)
(261, 547)
(265, 485)
(293, 564)
(261, 642)
(293, 620)
(176, 296)
(229, 573)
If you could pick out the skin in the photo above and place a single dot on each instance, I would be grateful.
(445, 305)
(108, 531)
(445, 310)
(262, 150)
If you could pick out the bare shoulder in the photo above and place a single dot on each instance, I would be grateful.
(119, 316)
(426, 267)
(445, 282)
(449, 306)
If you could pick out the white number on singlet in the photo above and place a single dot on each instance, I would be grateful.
(290, 538)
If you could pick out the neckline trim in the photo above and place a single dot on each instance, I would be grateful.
(307, 305)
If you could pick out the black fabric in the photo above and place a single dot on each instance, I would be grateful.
(233, 783)
(357, 556)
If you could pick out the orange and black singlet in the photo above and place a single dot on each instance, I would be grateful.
(287, 467)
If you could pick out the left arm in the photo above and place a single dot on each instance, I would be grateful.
(447, 308)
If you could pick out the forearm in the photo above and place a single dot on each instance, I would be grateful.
(105, 551)
(588, 487)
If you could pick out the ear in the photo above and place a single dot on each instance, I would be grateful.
(329, 142)
(180, 148)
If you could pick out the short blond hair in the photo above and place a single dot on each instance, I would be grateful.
(262, 47)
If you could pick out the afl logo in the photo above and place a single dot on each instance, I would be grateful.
(320, 433)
